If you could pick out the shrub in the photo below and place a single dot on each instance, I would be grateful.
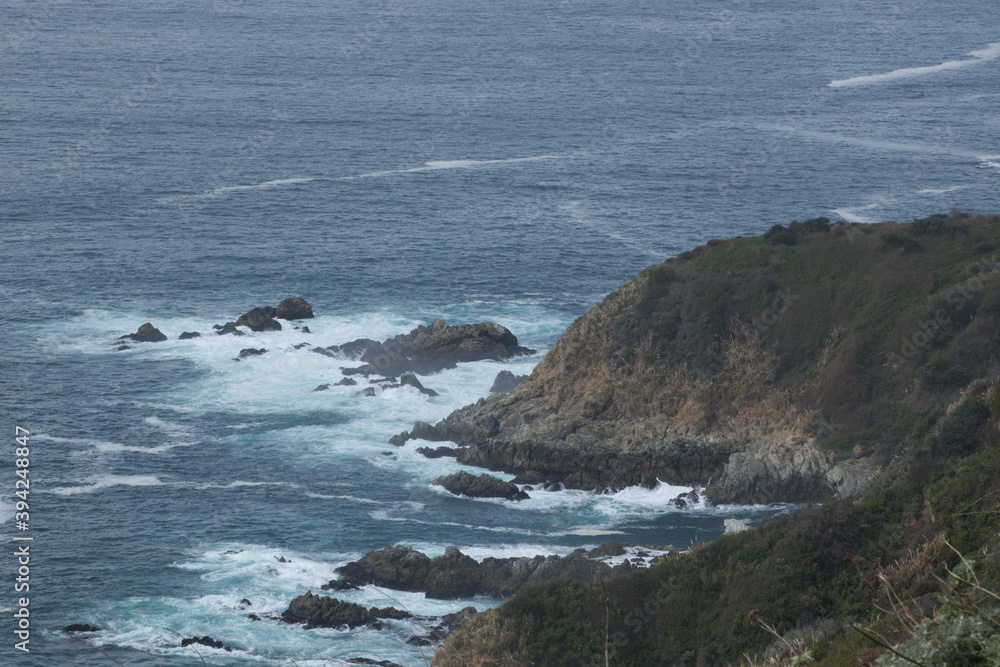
(935, 225)
(909, 246)
(960, 432)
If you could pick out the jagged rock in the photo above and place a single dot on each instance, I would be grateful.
(189, 334)
(367, 391)
(429, 349)
(684, 500)
(253, 617)
(340, 585)
(205, 641)
(609, 550)
(734, 526)
(400, 440)
(473, 486)
(352, 350)
(322, 387)
(506, 381)
(294, 308)
(251, 352)
(347, 382)
(244, 603)
(81, 627)
(369, 661)
(317, 611)
(788, 472)
(228, 328)
(852, 476)
(305, 330)
(411, 380)
(436, 453)
(455, 575)
(147, 333)
(259, 319)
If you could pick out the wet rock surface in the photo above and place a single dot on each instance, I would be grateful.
(318, 611)
(478, 486)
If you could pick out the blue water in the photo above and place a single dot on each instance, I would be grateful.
(392, 162)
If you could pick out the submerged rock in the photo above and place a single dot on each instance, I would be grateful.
(685, 500)
(482, 486)
(81, 627)
(506, 381)
(227, 328)
(187, 335)
(411, 380)
(347, 382)
(251, 352)
(322, 387)
(206, 641)
(437, 452)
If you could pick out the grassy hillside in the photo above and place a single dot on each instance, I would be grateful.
(878, 341)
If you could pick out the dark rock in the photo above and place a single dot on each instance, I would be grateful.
(437, 452)
(429, 349)
(205, 641)
(399, 567)
(81, 627)
(520, 495)
(347, 382)
(383, 381)
(253, 617)
(322, 387)
(300, 346)
(228, 328)
(244, 603)
(123, 347)
(340, 585)
(400, 440)
(608, 550)
(455, 575)
(411, 380)
(424, 431)
(369, 661)
(189, 334)
(305, 330)
(482, 486)
(147, 333)
(506, 381)
(232, 551)
(259, 319)
(294, 308)
(352, 350)
(368, 391)
(529, 477)
(317, 611)
(251, 352)
(684, 500)
(281, 559)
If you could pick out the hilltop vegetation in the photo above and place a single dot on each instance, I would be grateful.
(871, 345)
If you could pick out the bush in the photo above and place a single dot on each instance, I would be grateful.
(960, 432)
(909, 246)
(935, 225)
(790, 235)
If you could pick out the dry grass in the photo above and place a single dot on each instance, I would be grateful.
(486, 641)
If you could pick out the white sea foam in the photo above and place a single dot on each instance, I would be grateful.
(991, 52)
(109, 481)
(853, 214)
(942, 191)
(881, 144)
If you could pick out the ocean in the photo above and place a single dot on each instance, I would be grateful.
(394, 163)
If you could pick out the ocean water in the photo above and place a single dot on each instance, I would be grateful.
(392, 162)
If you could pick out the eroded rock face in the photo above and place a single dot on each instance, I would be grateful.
(293, 308)
(506, 381)
(481, 486)
(259, 319)
(774, 473)
(429, 349)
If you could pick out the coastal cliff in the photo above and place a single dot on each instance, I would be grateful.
(783, 367)
(854, 364)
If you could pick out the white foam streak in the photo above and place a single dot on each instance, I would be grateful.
(108, 481)
(880, 144)
(942, 191)
(991, 52)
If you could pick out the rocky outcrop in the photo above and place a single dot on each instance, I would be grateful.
(773, 473)
(429, 349)
(293, 308)
(506, 381)
(81, 627)
(187, 335)
(347, 382)
(206, 641)
(449, 623)
(318, 611)
(251, 352)
(481, 486)
(259, 319)
(734, 526)
(438, 452)
(147, 333)
(852, 476)
(265, 318)
(455, 575)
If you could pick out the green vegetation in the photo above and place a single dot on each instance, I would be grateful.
(895, 350)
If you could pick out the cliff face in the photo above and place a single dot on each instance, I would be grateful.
(813, 353)
(777, 368)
